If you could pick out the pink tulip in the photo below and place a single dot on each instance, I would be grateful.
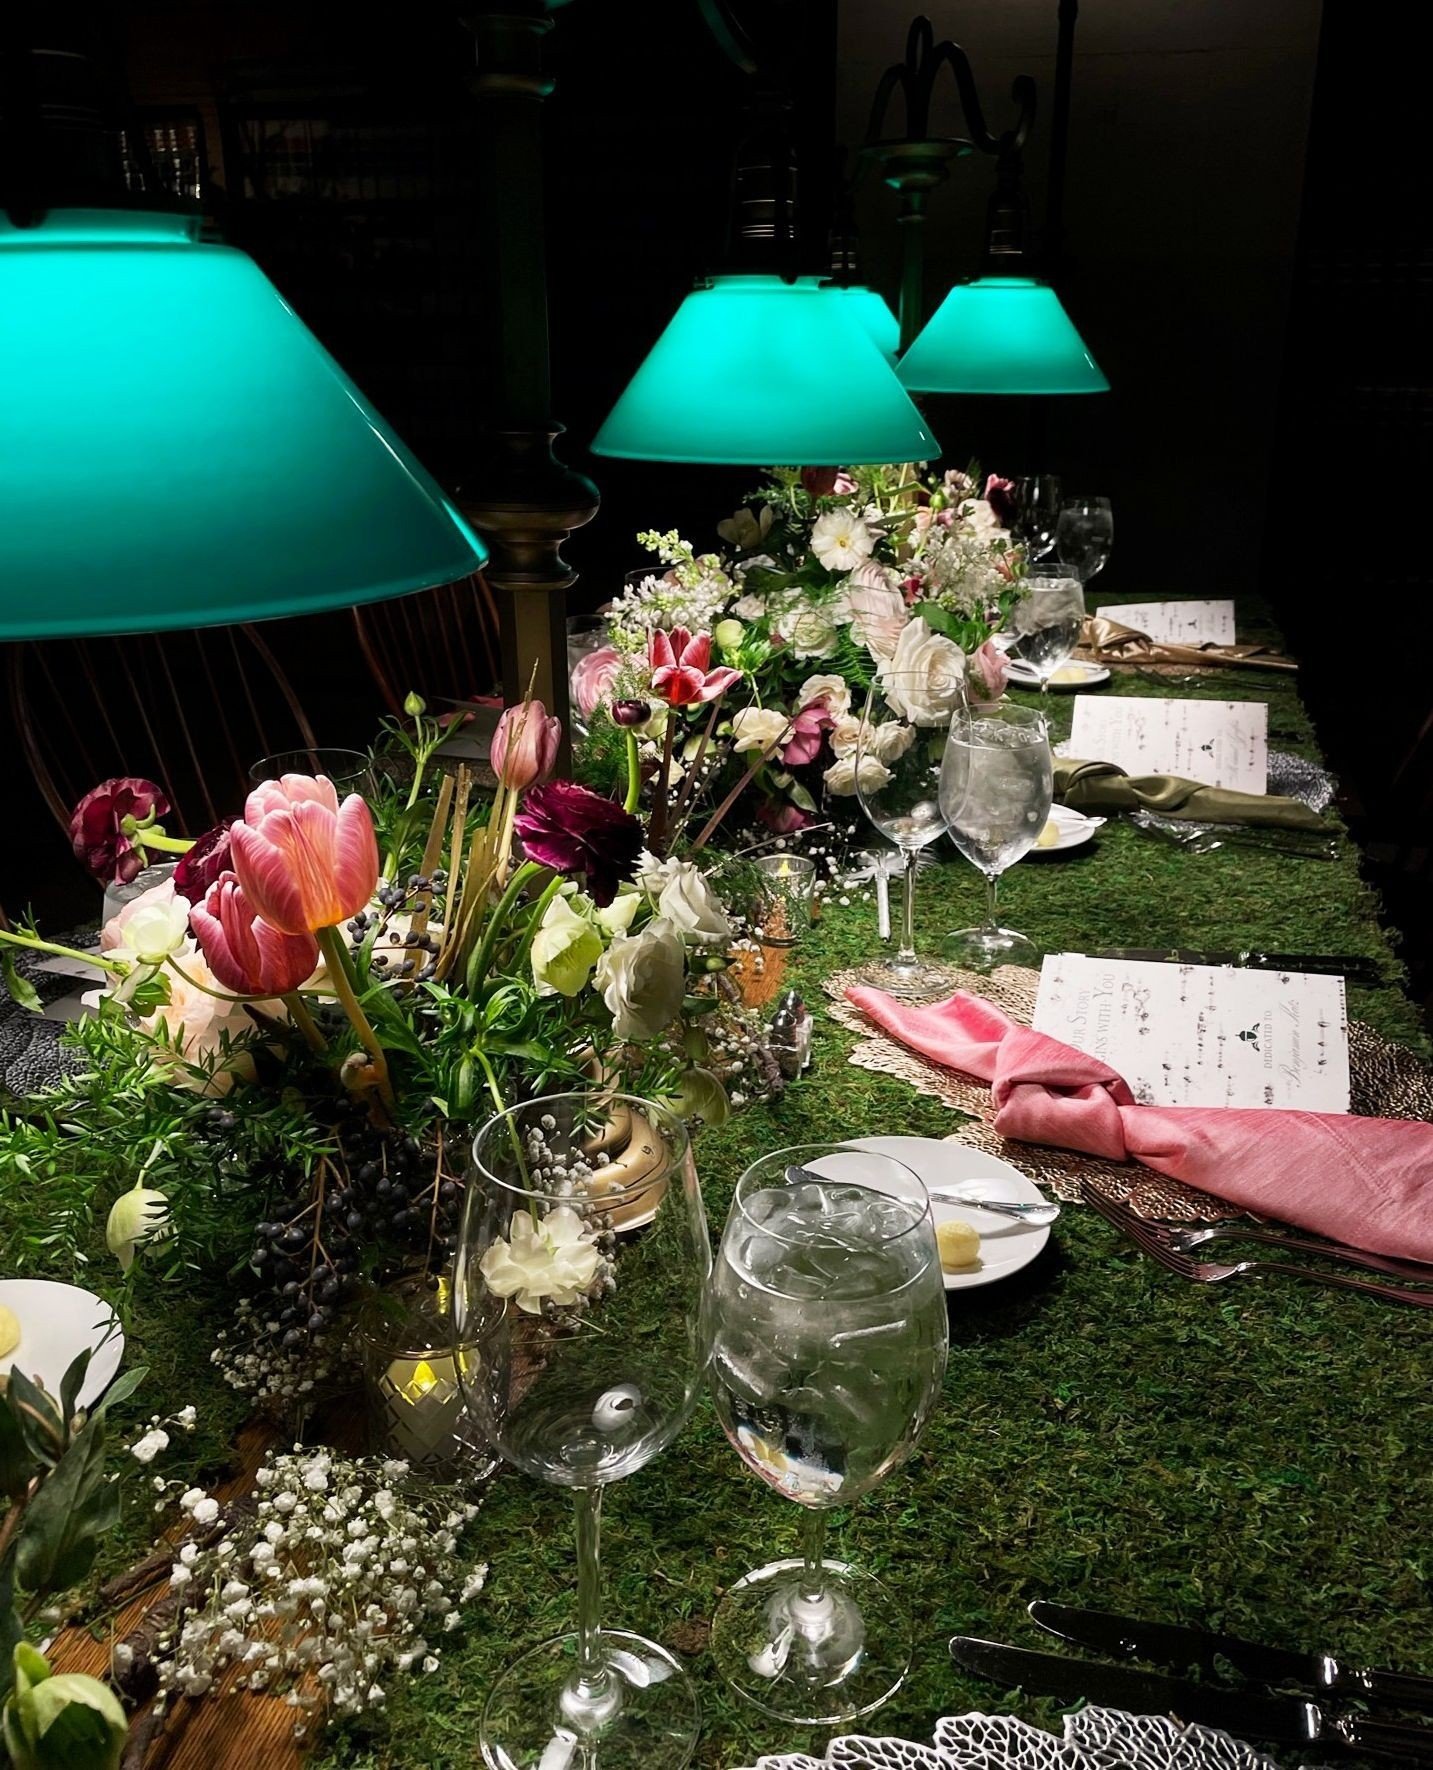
(243, 951)
(592, 678)
(305, 861)
(524, 746)
(679, 668)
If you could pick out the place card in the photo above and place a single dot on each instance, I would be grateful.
(1220, 743)
(1177, 623)
(1203, 1035)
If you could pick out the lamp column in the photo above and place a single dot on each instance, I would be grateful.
(525, 501)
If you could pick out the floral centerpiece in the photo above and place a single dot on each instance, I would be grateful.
(828, 581)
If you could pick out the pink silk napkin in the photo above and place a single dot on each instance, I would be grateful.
(1367, 1182)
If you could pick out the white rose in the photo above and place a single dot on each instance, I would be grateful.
(651, 874)
(877, 608)
(749, 608)
(757, 728)
(811, 632)
(831, 690)
(924, 679)
(841, 778)
(887, 742)
(840, 540)
(642, 977)
(690, 905)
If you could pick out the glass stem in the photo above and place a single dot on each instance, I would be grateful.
(908, 908)
(590, 1669)
(813, 1543)
(991, 882)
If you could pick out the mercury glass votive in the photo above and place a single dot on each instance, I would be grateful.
(782, 911)
(411, 1381)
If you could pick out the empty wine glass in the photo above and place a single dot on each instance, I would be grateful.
(829, 1352)
(995, 788)
(1037, 508)
(897, 759)
(583, 1274)
(1046, 622)
(1084, 535)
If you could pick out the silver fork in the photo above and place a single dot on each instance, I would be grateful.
(1210, 1272)
(1184, 1241)
(1201, 839)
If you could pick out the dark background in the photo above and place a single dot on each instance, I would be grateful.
(1246, 253)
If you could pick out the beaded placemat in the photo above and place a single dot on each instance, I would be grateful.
(1387, 1081)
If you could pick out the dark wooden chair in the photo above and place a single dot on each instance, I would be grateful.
(190, 711)
(443, 643)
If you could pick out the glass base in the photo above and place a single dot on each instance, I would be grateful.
(913, 971)
(816, 1662)
(982, 949)
(641, 1713)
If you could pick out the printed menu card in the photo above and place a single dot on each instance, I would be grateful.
(1203, 1035)
(1219, 743)
(1177, 623)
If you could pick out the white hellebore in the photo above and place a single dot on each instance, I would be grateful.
(841, 777)
(924, 680)
(690, 904)
(840, 540)
(616, 917)
(554, 1259)
(757, 728)
(642, 978)
(564, 950)
(830, 690)
(137, 1217)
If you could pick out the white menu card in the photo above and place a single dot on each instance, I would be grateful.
(1203, 1035)
(1177, 623)
(1220, 743)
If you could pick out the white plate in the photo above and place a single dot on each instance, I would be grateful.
(1074, 827)
(57, 1322)
(1006, 1245)
(1089, 676)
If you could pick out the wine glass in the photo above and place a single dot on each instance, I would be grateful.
(995, 788)
(897, 761)
(1047, 621)
(830, 1347)
(1084, 534)
(584, 1275)
(1037, 506)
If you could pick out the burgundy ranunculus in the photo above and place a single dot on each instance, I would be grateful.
(1000, 496)
(96, 826)
(573, 830)
(819, 482)
(199, 869)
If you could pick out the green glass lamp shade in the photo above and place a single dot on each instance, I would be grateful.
(1001, 335)
(870, 312)
(753, 370)
(177, 449)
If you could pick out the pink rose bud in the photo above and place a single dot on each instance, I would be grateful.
(524, 746)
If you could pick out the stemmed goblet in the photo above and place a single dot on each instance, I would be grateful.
(830, 1347)
(897, 761)
(583, 1278)
(1084, 535)
(1047, 621)
(1037, 506)
(996, 784)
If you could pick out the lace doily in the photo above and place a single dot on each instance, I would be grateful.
(1094, 1739)
(1387, 1081)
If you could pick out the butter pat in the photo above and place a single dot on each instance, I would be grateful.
(9, 1331)
(1068, 673)
(1049, 836)
(959, 1245)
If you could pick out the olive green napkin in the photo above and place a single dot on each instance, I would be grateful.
(1100, 786)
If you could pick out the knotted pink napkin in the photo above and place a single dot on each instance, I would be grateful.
(1368, 1182)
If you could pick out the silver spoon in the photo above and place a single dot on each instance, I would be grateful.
(967, 1192)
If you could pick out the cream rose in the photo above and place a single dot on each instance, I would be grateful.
(924, 678)
(841, 777)
(642, 977)
(831, 691)
(757, 728)
(690, 904)
(811, 632)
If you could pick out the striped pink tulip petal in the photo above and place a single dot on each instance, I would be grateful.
(305, 861)
(243, 951)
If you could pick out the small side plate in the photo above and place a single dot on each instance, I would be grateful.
(1070, 677)
(57, 1322)
(1075, 829)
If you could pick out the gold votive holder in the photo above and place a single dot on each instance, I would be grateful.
(413, 1374)
(786, 884)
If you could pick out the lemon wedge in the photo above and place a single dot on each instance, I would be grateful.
(9, 1331)
(959, 1245)
(1049, 836)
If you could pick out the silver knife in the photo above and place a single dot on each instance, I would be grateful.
(1179, 1646)
(1358, 967)
(1251, 1714)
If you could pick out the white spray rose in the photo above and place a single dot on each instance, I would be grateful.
(642, 978)
(690, 904)
(830, 690)
(887, 742)
(811, 632)
(841, 777)
(749, 608)
(757, 728)
(924, 680)
(840, 540)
